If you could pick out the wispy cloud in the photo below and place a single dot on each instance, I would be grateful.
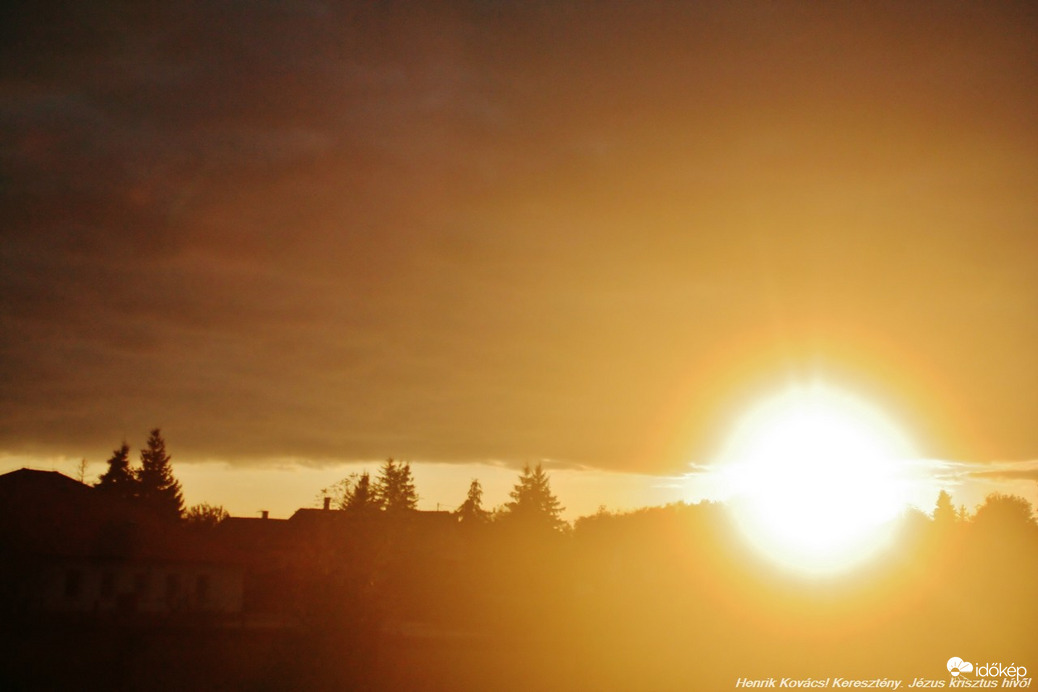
(1008, 471)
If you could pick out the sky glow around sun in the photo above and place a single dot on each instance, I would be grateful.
(815, 477)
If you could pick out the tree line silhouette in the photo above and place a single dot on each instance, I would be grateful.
(153, 486)
(150, 485)
(532, 501)
(514, 597)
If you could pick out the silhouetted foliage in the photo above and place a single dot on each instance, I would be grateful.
(81, 468)
(617, 603)
(471, 510)
(205, 515)
(394, 488)
(944, 513)
(335, 494)
(533, 503)
(158, 490)
(119, 481)
(358, 494)
(1006, 513)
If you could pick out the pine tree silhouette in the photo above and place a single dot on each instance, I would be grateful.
(394, 488)
(157, 489)
(119, 481)
(358, 494)
(944, 513)
(471, 511)
(533, 502)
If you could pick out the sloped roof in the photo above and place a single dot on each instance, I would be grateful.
(46, 513)
(26, 479)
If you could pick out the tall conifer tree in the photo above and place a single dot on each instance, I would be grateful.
(533, 503)
(158, 490)
(471, 510)
(119, 481)
(394, 488)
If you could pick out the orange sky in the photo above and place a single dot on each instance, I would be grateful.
(584, 233)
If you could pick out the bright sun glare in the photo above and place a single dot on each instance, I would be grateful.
(814, 475)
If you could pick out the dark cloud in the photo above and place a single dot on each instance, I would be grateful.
(510, 231)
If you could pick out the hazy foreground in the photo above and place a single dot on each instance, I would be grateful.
(664, 598)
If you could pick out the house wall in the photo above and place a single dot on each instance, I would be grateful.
(136, 587)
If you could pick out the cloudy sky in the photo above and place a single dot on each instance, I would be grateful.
(488, 231)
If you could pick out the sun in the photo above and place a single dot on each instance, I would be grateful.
(814, 478)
